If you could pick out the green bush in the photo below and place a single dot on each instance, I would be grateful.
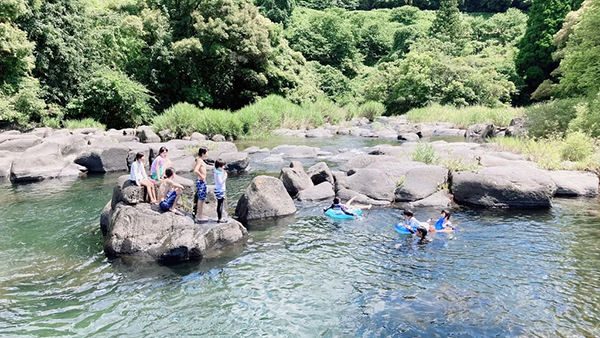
(324, 110)
(265, 114)
(371, 110)
(183, 119)
(406, 14)
(112, 98)
(551, 118)
(577, 147)
(179, 119)
(85, 123)
(588, 117)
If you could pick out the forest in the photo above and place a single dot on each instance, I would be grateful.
(238, 66)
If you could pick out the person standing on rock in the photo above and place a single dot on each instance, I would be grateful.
(200, 171)
(220, 178)
(172, 192)
(138, 177)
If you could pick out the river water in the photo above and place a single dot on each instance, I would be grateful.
(504, 274)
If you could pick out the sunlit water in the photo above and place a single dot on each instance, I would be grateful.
(505, 274)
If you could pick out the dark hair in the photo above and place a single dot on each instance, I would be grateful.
(422, 230)
(163, 150)
(408, 213)
(202, 151)
(138, 156)
(219, 163)
(336, 200)
(169, 172)
(446, 213)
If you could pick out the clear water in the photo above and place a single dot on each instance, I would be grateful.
(505, 274)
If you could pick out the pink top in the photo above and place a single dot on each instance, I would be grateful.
(159, 161)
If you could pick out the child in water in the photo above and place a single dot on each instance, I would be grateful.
(421, 232)
(443, 224)
(345, 208)
(411, 222)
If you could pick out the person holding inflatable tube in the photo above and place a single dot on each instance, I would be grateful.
(345, 208)
(411, 223)
(443, 224)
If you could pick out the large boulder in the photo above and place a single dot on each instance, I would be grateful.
(421, 182)
(346, 194)
(105, 157)
(236, 161)
(18, 142)
(439, 200)
(144, 231)
(147, 135)
(320, 173)
(6, 161)
(575, 183)
(319, 192)
(517, 127)
(362, 161)
(480, 131)
(373, 183)
(294, 178)
(515, 187)
(266, 197)
(300, 152)
(39, 162)
(70, 146)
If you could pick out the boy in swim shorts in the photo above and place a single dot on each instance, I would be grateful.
(173, 192)
(200, 171)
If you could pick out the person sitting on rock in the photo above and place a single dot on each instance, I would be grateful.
(172, 193)
(160, 164)
(345, 208)
(220, 190)
(138, 176)
(443, 224)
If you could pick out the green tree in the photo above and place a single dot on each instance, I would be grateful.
(447, 25)
(534, 61)
(580, 67)
(113, 99)
(277, 10)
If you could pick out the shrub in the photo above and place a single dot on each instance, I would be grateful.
(183, 119)
(577, 147)
(324, 110)
(588, 117)
(85, 123)
(406, 14)
(179, 119)
(112, 98)
(266, 114)
(371, 110)
(551, 118)
(425, 153)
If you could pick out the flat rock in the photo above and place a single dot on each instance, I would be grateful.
(319, 192)
(38, 163)
(575, 183)
(318, 133)
(266, 197)
(18, 143)
(301, 152)
(106, 157)
(515, 187)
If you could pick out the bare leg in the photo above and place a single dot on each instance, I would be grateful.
(150, 188)
(199, 209)
(173, 210)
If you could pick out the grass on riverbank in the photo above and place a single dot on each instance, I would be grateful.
(463, 117)
(259, 119)
(577, 151)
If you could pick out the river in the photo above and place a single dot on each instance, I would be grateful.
(505, 273)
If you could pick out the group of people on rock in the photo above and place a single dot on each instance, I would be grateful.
(169, 191)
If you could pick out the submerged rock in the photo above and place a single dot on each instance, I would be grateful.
(266, 197)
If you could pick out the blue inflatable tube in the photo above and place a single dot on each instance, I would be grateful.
(401, 229)
(339, 214)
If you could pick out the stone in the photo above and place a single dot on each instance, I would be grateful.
(294, 178)
(517, 127)
(166, 135)
(218, 138)
(449, 132)
(197, 137)
(480, 131)
(136, 148)
(319, 133)
(71, 145)
(275, 158)
(503, 187)
(147, 135)
(235, 161)
(575, 183)
(408, 137)
(6, 161)
(373, 183)
(421, 182)
(37, 163)
(320, 173)
(438, 200)
(42, 132)
(73, 170)
(266, 197)
(346, 195)
(181, 160)
(387, 133)
(105, 157)
(319, 192)
(144, 231)
(86, 131)
(18, 143)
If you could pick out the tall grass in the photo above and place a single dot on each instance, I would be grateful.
(425, 153)
(552, 153)
(463, 117)
(85, 123)
(183, 119)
